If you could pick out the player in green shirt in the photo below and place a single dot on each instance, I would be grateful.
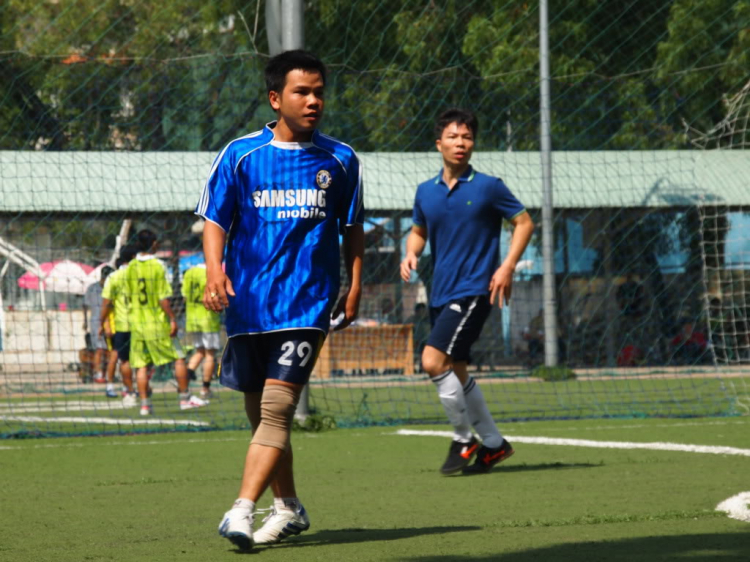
(203, 326)
(115, 299)
(152, 323)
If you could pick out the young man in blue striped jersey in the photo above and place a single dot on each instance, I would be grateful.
(461, 211)
(278, 199)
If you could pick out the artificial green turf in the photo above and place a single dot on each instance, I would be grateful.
(374, 495)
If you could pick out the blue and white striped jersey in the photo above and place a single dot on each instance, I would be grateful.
(283, 206)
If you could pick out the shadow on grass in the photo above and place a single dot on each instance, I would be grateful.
(349, 536)
(505, 469)
(545, 466)
(727, 547)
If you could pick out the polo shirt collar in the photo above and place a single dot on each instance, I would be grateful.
(467, 176)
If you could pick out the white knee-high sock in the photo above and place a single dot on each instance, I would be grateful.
(480, 416)
(452, 397)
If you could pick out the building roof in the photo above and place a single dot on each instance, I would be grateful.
(172, 181)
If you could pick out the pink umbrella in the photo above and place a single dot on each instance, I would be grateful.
(59, 276)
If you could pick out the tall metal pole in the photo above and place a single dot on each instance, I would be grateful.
(548, 244)
(292, 25)
(273, 26)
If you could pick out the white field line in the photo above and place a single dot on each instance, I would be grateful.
(72, 406)
(737, 507)
(105, 421)
(644, 425)
(657, 446)
(118, 443)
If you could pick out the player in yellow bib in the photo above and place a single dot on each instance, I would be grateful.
(202, 325)
(152, 323)
(115, 304)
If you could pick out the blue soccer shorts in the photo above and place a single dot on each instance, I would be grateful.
(288, 356)
(457, 324)
(121, 343)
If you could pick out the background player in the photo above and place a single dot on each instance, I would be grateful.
(115, 303)
(153, 325)
(92, 308)
(461, 210)
(202, 325)
(287, 192)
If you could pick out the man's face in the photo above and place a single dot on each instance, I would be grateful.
(300, 103)
(456, 144)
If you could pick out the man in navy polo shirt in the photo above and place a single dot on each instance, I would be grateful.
(461, 210)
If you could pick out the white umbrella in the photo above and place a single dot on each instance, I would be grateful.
(60, 277)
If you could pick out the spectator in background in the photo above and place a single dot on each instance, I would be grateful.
(534, 336)
(202, 325)
(630, 356)
(689, 345)
(92, 308)
(387, 313)
(631, 297)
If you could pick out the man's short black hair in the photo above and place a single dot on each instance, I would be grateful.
(458, 116)
(146, 240)
(282, 64)
(105, 272)
(127, 253)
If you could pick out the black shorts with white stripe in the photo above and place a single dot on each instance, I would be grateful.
(457, 324)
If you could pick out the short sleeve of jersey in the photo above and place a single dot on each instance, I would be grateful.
(506, 203)
(417, 215)
(354, 209)
(218, 200)
(107, 289)
(163, 290)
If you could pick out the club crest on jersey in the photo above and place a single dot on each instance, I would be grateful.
(323, 179)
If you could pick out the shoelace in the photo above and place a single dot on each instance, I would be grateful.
(272, 509)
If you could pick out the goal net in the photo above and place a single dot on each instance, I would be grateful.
(112, 114)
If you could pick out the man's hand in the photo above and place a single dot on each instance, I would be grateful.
(218, 286)
(501, 285)
(105, 329)
(348, 305)
(172, 328)
(408, 265)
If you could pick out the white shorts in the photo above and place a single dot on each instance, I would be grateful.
(205, 340)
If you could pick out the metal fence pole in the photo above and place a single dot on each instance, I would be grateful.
(548, 245)
(292, 25)
(273, 26)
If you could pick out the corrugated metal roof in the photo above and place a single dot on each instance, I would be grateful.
(172, 181)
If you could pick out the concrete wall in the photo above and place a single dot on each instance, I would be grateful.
(34, 338)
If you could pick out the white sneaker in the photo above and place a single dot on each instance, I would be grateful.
(147, 409)
(192, 402)
(129, 401)
(237, 526)
(281, 523)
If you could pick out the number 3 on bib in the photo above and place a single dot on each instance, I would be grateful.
(304, 352)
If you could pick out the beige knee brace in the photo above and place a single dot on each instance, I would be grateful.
(276, 413)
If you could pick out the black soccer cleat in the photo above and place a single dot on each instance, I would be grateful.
(487, 458)
(459, 455)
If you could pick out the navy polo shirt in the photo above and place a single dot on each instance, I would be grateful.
(463, 225)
